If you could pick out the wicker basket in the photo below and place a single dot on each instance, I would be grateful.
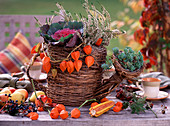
(73, 89)
(126, 74)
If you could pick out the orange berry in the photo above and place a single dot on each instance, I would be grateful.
(117, 109)
(94, 104)
(33, 115)
(75, 113)
(54, 113)
(87, 49)
(64, 114)
(104, 100)
(89, 60)
(60, 107)
(99, 41)
(40, 109)
(119, 104)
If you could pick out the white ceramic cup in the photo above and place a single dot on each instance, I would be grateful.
(35, 70)
(150, 87)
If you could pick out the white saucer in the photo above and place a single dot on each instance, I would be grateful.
(161, 95)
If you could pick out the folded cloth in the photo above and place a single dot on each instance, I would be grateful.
(164, 79)
(7, 80)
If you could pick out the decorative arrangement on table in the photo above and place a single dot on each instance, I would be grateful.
(74, 53)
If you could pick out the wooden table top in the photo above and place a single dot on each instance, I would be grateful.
(123, 118)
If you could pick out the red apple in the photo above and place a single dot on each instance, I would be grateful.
(24, 92)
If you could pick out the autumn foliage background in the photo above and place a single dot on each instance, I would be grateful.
(152, 39)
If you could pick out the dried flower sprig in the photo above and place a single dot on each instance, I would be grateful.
(96, 25)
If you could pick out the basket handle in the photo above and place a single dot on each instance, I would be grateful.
(29, 66)
(108, 85)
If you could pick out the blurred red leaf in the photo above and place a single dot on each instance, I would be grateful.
(153, 60)
(33, 50)
(139, 36)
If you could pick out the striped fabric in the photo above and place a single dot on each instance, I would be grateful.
(15, 55)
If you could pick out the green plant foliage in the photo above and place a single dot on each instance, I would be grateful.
(55, 27)
(108, 65)
(115, 51)
(129, 59)
(61, 25)
(138, 105)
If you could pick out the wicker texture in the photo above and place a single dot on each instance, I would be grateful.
(73, 89)
(126, 73)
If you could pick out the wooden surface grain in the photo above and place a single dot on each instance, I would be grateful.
(123, 118)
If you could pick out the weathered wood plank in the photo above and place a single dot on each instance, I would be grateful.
(108, 119)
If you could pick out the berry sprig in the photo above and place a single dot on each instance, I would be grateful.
(124, 92)
(130, 99)
(13, 108)
(163, 109)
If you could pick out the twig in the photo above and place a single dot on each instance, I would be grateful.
(38, 22)
(3, 107)
(75, 49)
(152, 110)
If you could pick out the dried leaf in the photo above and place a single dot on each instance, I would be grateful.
(70, 66)
(46, 64)
(75, 55)
(89, 60)
(73, 41)
(33, 50)
(63, 65)
(54, 72)
(38, 47)
(78, 64)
